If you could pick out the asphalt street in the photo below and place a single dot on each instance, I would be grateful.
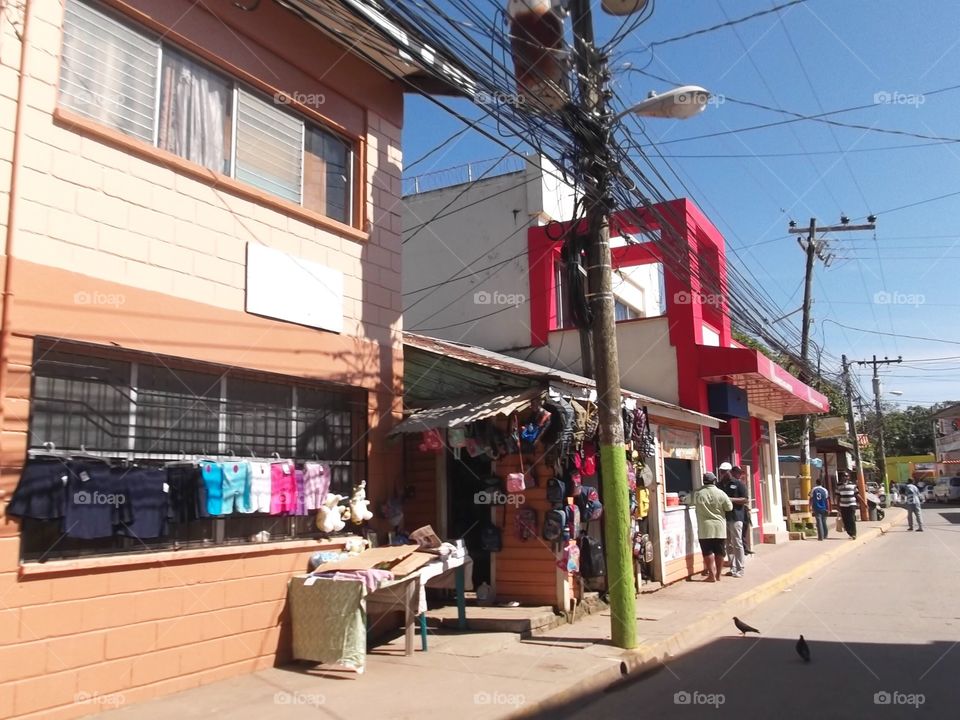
(883, 628)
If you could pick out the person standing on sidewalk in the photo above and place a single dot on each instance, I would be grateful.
(712, 505)
(849, 501)
(820, 506)
(737, 472)
(737, 492)
(912, 501)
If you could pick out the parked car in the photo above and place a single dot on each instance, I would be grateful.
(947, 490)
(927, 494)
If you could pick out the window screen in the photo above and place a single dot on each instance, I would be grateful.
(108, 71)
(269, 147)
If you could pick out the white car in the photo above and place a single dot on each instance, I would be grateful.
(927, 493)
(947, 490)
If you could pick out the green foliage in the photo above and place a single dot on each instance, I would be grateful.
(907, 431)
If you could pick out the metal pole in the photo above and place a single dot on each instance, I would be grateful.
(593, 126)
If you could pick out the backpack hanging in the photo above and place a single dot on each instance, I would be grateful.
(555, 491)
(569, 560)
(491, 536)
(592, 563)
(553, 521)
(579, 426)
(588, 501)
(526, 523)
(571, 526)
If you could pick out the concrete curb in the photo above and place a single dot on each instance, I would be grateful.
(649, 655)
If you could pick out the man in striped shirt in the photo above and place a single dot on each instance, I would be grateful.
(848, 500)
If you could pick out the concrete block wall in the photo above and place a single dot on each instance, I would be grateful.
(73, 644)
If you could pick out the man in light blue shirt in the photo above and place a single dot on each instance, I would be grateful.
(912, 502)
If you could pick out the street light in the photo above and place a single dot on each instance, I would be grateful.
(677, 104)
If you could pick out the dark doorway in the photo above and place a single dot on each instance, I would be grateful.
(466, 517)
(679, 476)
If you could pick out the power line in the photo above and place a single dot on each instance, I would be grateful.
(721, 26)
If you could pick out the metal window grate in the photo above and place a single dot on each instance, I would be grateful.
(151, 413)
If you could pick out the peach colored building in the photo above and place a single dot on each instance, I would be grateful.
(201, 258)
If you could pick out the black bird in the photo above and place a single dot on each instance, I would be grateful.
(803, 650)
(743, 627)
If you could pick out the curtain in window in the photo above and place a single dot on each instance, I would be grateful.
(194, 113)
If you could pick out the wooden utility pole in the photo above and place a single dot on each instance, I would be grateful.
(852, 422)
(881, 445)
(814, 249)
(591, 128)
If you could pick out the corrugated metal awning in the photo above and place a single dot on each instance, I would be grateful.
(457, 414)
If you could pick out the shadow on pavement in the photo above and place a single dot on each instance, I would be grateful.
(757, 677)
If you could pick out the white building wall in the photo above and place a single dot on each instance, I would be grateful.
(648, 362)
(466, 275)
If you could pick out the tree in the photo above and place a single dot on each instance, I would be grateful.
(905, 432)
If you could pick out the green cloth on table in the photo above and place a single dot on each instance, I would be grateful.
(329, 621)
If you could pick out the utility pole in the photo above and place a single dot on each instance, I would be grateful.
(591, 128)
(852, 421)
(814, 249)
(881, 448)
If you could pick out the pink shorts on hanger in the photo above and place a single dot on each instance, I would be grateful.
(316, 484)
(283, 488)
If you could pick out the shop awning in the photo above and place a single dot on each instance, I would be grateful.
(814, 462)
(767, 384)
(467, 410)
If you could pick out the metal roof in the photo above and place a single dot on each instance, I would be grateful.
(533, 372)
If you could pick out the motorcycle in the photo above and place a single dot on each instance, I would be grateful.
(876, 501)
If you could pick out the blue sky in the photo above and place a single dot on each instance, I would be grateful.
(819, 56)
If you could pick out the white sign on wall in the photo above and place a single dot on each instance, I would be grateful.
(285, 287)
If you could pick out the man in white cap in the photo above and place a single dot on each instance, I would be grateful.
(737, 492)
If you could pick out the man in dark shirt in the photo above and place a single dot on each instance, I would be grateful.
(737, 492)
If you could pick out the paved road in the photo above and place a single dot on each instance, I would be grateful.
(883, 625)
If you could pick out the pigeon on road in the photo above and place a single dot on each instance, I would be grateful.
(803, 650)
(743, 627)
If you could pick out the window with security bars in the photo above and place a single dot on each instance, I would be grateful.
(131, 81)
(153, 412)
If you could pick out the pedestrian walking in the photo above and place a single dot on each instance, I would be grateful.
(912, 500)
(849, 500)
(737, 472)
(820, 506)
(737, 492)
(712, 505)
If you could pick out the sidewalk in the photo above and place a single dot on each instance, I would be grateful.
(497, 674)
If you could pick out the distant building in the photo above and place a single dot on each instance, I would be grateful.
(946, 440)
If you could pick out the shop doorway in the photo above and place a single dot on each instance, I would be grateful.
(465, 515)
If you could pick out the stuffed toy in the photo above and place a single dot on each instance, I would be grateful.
(355, 545)
(360, 506)
(330, 519)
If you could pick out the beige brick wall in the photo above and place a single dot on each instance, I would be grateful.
(95, 209)
(129, 635)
